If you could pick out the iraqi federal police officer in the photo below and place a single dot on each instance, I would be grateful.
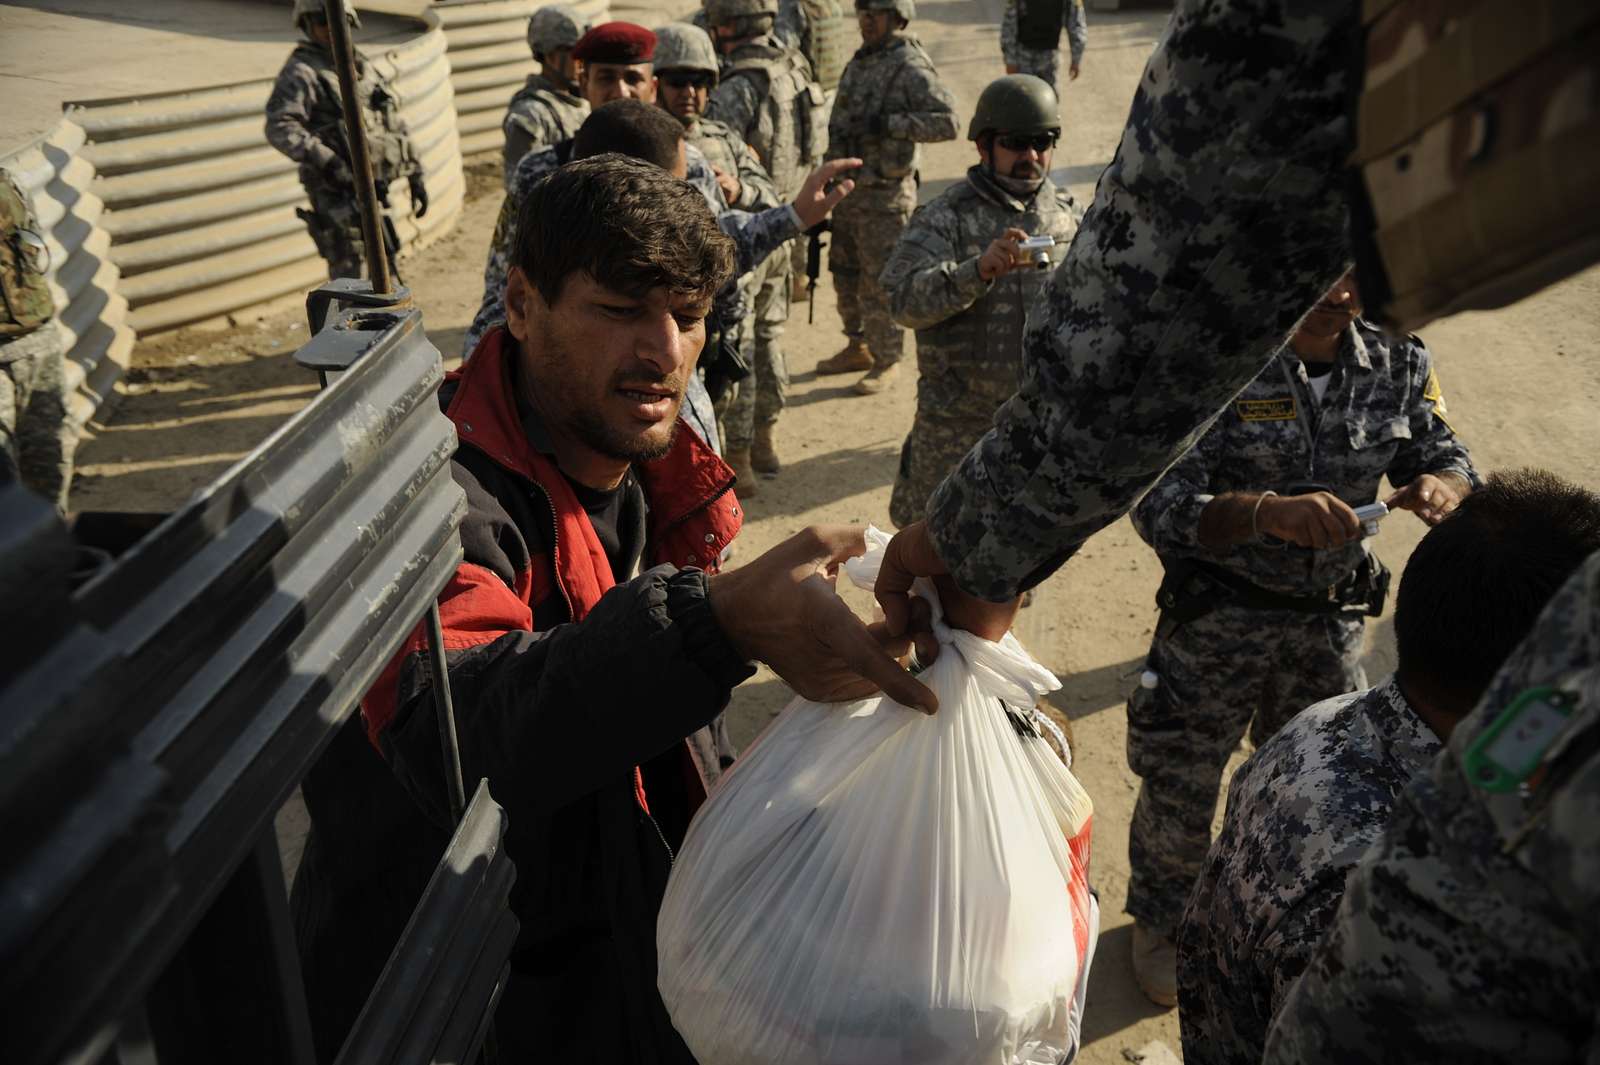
(890, 100)
(548, 107)
(1030, 37)
(305, 121)
(768, 97)
(1268, 580)
(958, 277)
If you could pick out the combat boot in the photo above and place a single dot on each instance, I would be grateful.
(877, 379)
(1155, 965)
(763, 452)
(745, 486)
(852, 358)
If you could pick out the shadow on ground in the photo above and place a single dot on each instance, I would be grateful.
(1108, 1008)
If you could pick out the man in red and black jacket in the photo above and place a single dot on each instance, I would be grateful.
(576, 680)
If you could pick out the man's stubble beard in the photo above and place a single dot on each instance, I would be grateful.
(592, 429)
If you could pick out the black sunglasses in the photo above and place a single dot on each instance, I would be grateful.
(1021, 142)
(685, 80)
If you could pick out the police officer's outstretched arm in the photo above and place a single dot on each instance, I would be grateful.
(1176, 292)
(1432, 471)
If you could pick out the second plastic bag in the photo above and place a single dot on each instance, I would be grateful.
(873, 886)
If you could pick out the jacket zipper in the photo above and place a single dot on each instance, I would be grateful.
(662, 836)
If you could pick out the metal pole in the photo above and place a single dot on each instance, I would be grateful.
(360, 159)
(378, 270)
(447, 716)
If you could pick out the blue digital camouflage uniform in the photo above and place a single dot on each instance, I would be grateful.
(969, 331)
(1240, 667)
(1043, 62)
(889, 101)
(1219, 222)
(1469, 933)
(1301, 812)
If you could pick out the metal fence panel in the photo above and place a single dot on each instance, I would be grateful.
(178, 697)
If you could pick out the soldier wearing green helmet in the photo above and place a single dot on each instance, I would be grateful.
(958, 277)
(890, 101)
(549, 107)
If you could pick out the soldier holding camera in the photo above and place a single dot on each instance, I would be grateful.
(1268, 580)
(961, 277)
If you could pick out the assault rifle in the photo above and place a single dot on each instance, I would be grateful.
(814, 267)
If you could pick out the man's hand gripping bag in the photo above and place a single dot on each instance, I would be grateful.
(873, 886)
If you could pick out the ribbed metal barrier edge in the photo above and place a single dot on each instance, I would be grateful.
(489, 60)
(91, 314)
(200, 209)
(152, 723)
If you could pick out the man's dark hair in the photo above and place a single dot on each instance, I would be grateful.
(630, 127)
(1477, 582)
(626, 223)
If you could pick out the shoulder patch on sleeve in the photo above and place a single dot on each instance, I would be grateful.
(1432, 393)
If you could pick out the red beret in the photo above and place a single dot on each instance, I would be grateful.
(616, 42)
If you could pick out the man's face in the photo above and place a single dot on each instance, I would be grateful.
(875, 25)
(1024, 156)
(1335, 311)
(606, 370)
(604, 82)
(320, 32)
(684, 92)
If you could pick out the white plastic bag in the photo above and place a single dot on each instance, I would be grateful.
(873, 886)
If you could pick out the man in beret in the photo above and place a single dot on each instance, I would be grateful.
(616, 59)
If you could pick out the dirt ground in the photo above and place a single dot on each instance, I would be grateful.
(1522, 384)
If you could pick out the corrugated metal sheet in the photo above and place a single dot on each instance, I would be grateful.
(200, 209)
(489, 60)
(155, 720)
(90, 312)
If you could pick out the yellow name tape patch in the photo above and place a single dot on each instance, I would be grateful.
(1266, 410)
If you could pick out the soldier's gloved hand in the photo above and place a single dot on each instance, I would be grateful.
(815, 199)
(1000, 257)
(1317, 520)
(1429, 497)
(1072, 72)
(419, 194)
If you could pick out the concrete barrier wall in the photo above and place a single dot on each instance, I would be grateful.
(489, 60)
(200, 209)
(90, 313)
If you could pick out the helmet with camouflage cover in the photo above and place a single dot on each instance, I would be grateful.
(304, 9)
(721, 11)
(680, 46)
(1016, 103)
(554, 27)
(906, 9)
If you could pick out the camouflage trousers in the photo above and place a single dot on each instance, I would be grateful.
(1222, 674)
(1039, 62)
(864, 233)
(36, 441)
(936, 445)
(759, 398)
(334, 222)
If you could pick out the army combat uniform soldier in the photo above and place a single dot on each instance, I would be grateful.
(36, 440)
(958, 278)
(306, 122)
(768, 97)
(1030, 37)
(686, 69)
(889, 101)
(548, 108)
(1268, 582)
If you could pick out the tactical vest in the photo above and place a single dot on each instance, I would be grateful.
(828, 41)
(793, 131)
(1039, 23)
(25, 301)
(1476, 176)
(387, 143)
